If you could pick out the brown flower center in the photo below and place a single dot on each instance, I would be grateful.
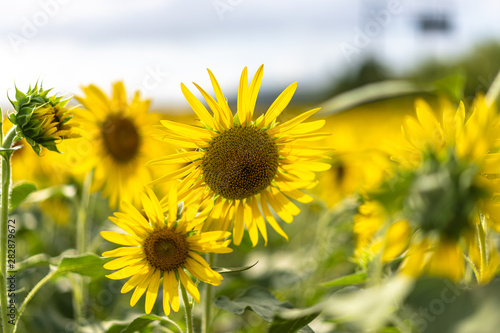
(240, 162)
(121, 138)
(166, 250)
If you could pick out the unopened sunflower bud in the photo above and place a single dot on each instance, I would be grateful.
(41, 119)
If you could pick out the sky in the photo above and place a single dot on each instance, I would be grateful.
(155, 45)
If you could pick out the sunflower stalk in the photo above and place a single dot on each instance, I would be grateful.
(6, 186)
(79, 290)
(208, 296)
(188, 306)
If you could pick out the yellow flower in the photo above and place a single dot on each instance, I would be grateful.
(452, 163)
(163, 246)
(472, 138)
(371, 238)
(243, 162)
(117, 143)
(351, 172)
(441, 257)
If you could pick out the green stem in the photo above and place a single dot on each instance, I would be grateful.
(6, 182)
(81, 220)
(188, 307)
(30, 296)
(494, 90)
(207, 299)
(9, 137)
(79, 292)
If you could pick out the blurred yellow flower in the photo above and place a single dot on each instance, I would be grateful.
(116, 142)
(244, 163)
(371, 237)
(351, 172)
(158, 245)
(450, 168)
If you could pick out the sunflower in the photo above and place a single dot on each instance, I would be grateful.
(117, 143)
(351, 172)
(375, 236)
(41, 119)
(445, 186)
(163, 246)
(247, 165)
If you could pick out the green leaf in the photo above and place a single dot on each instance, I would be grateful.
(293, 320)
(346, 280)
(66, 191)
(137, 325)
(223, 270)
(87, 264)
(33, 261)
(257, 299)
(19, 193)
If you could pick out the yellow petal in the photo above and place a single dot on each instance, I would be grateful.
(270, 218)
(293, 193)
(396, 240)
(141, 288)
(447, 260)
(254, 90)
(429, 122)
(214, 106)
(278, 208)
(250, 223)
(243, 112)
(126, 272)
(278, 105)
(123, 251)
(286, 126)
(172, 205)
(285, 202)
(131, 212)
(185, 130)
(152, 292)
(228, 115)
(198, 108)
(172, 290)
(177, 174)
(135, 279)
(152, 208)
(239, 223)
(119, 94)
(123, 261)
(189, 285)
(120, 239)
(413, 264)
(259, 220)
(180, 158)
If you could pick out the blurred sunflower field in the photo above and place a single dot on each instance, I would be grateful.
(370, 203)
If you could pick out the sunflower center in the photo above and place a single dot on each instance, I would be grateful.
(121, 138)
(240, 162)
(166, 250)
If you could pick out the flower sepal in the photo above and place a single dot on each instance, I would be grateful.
(41, 119)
